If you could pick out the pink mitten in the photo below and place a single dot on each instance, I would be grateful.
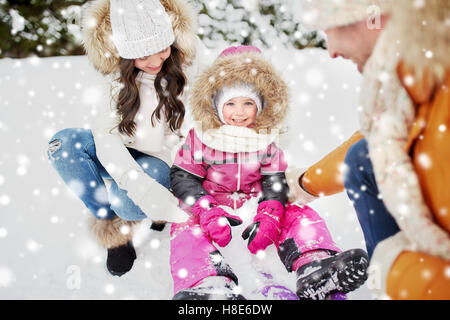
(265, 228)
(215, 221)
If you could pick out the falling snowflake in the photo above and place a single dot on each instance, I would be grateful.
(447, 272)
(419, 4)
(6, 277)
(133, 174)
(33, 246)
(261, 254)
(222, 221)
(4, 200)
(204, 203)
(109, 289)
(3, 233)
(125, 229)
(54, 191)
(277, 187)
(54, 219)
(403, 209)
(309, 146)
(304, 98)
(182, 273)
(101, 195)
(384, 77)
(408, 80)
(190, 200)
(155, 243)
(424, 161)
(116, 201)
(426, 274)
(102, 212)
(77, 187)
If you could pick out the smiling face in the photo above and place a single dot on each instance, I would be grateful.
(153, 64)
(240, 111)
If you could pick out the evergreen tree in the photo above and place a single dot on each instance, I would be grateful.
(257, 22)
(52, 27)
(39, 27)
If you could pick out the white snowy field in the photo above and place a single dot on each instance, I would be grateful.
(46, 251)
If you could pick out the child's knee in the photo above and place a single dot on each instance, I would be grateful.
(298, 212)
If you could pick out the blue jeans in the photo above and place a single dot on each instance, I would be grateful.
(376, 222)
(72, 153)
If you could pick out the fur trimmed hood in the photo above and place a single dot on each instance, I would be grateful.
(249, 67)
(97, 33)
(423, 35)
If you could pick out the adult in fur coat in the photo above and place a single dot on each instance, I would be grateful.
(397, 169)
(148, 52)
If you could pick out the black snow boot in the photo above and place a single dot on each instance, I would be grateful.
(120, 259)
(342, 272)
(211, 288)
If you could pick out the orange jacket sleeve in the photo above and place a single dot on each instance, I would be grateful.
(430, 137)
(418, 276)
(325, 177)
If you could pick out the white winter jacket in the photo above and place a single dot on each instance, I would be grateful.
(158, 141)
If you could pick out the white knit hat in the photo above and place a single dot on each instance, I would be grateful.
(239, 90)
(327, 14)
(140, 28)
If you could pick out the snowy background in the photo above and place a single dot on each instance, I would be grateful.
(46, 251)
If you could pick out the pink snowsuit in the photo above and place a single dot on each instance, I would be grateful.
(233, 178)
(249, 169)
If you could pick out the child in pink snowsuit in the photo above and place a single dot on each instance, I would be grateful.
(239, 105)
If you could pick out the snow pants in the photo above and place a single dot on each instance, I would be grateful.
(194, 257)
(376, 222)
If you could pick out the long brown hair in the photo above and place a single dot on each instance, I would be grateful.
(169, 85)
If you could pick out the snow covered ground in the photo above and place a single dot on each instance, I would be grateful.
(45, 249)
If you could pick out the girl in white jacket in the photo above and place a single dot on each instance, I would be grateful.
(148, 52)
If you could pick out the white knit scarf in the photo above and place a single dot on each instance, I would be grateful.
(235, 139)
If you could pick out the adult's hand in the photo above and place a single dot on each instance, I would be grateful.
(296, 192)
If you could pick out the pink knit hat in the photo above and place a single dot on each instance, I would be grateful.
(239, 50)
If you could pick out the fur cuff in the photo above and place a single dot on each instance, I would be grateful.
(112, 233)
(296, 193)
(384, 256)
